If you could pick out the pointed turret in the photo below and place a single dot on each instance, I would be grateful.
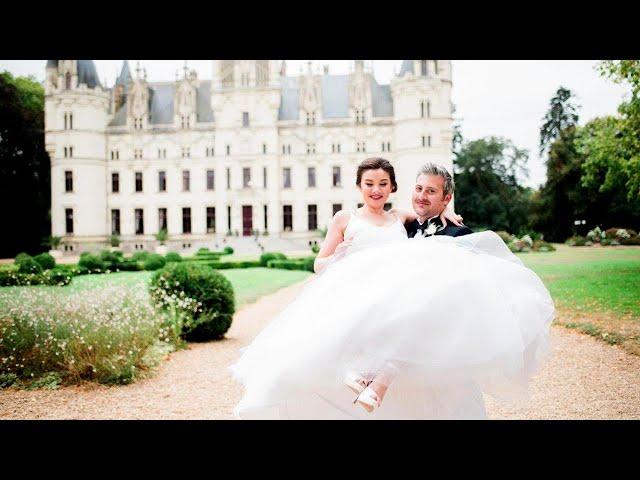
(121, 88)
(125, 75)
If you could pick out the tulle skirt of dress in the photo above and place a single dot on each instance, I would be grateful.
(444, 319)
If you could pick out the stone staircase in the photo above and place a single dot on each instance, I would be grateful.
(248, 246)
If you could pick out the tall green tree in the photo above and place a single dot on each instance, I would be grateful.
(612, 148)
(561, 116)
(25, 190)
(606, 186)
(555, 204)
(562, 199)
(488, 178)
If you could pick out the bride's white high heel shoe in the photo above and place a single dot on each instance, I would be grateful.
(369, 399)
(357, 383)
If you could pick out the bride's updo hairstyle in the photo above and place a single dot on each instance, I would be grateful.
(374, 163)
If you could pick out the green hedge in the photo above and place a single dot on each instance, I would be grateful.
(54, 277)
(300, 264)
(92, 262)
(266, 257)
(228, 265)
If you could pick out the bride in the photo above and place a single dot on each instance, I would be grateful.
(398, 328)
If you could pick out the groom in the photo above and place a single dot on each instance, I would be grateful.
(431, 194)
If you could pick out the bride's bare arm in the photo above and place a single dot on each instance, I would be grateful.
(449, 214)
(404, 215)
(335, 237)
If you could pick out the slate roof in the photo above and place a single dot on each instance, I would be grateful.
(87, 73)
(407, 66)
(335, 98)
(125, 76)
(161, 104)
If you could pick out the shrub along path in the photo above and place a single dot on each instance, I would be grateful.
(585, 379)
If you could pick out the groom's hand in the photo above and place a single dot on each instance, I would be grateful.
(341, 248)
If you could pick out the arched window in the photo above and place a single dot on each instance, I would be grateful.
(421, 109)
(68, 81)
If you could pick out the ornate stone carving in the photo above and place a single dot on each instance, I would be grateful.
(310, 93)
(359, 91)
(139, 105)
(185, 99)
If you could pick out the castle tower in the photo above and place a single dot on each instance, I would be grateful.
(245, 100)
(423, 123)
(76, 116)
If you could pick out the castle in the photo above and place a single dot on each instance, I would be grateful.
(250, 151)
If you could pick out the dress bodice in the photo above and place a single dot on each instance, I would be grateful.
(366, 234)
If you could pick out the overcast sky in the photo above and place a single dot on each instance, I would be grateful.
(505, 98)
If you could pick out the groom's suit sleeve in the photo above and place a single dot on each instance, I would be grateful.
(455, 231)
(463, 230)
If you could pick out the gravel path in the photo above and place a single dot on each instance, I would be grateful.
(585, 379)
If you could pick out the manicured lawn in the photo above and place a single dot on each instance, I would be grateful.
(252, 283)
(596, 290)
(591, 278)
(249, 284)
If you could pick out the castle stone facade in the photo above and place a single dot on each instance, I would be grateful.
(251, 150)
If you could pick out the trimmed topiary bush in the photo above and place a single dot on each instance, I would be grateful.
(129, 266)
(111, 259)
(27, 264)
(46, 261)
(22, 256)
(228, 250)
(92, 263)
(173, 257)
(267, 256)
(140, 256)
(204, 285)
(154, 262)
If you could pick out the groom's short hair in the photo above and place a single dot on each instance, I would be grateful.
(438, 171)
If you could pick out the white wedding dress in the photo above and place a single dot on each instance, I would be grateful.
(449, 318)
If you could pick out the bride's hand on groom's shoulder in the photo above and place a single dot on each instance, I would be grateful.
(451, 216)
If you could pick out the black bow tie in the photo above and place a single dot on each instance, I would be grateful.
(434, 221)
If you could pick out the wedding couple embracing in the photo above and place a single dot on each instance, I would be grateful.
(410, 315)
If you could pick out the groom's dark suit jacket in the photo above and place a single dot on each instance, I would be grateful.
(450, 230)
